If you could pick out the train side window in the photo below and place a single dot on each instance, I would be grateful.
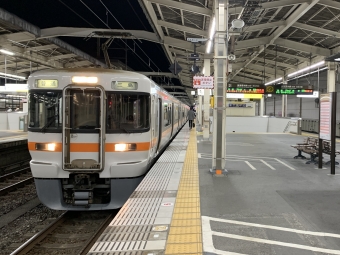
(44, 111)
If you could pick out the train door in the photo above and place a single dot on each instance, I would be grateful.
(171, 116)
(83, 128)
(159, 115)
(155, 124)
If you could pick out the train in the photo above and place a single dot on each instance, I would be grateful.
(94, 133)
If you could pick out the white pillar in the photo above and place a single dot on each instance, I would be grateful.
(206, 102)
(220, 82)
(262, 106)
(199, 110)
(331, 77)
(284, 106)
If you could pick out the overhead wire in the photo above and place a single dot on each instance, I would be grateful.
(76, 13)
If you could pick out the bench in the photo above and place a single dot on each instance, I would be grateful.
(310, 145)
(326, 148)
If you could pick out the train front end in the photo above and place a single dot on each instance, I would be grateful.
(89, 138)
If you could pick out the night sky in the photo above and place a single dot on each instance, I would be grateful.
(74, 13)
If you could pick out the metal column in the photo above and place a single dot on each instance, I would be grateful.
(206, 104)
(220, 68)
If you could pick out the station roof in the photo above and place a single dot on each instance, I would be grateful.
(279, 37)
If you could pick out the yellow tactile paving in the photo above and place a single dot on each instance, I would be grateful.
(185, 234)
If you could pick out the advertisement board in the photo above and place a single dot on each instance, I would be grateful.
(325, 116)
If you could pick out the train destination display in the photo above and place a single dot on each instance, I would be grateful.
(283, 89)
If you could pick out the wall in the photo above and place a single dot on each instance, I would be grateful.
(258, 125)
(240, 111)
(3, 121)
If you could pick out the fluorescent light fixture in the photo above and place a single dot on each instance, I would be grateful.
(208, 46)
(271, 82)
(211, 35)
(303, 75)
(315, 95)
(307, 68)
(212, 29)
(84, 79)
(6, 75)
(6, 52)
(16, 87)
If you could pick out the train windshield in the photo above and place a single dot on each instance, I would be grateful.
(128, 113)
(44, 113)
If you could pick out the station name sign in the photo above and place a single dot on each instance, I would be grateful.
(253, 88)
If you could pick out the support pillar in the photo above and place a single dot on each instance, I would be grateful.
(331, 76)
(261, 113)
(206, 103)
(284, 106)
(220, 79)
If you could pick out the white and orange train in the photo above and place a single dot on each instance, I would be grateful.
(93, 134)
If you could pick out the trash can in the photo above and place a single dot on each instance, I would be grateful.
(21, 123)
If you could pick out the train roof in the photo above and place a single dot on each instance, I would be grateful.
(86, 70)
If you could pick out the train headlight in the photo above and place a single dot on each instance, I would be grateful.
(45, 146)
(125, 147)
(84, 79)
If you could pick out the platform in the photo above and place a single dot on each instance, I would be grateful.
(9, 136)
(269, 203)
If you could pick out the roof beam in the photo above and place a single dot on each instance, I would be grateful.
(329, 3)
(303, 47)
(43, 47)
(184, 7)
(286, 55)
(263, 26)
(198, 32)
(298, 13)
(317, 30)
(270, 5)
(21, 53)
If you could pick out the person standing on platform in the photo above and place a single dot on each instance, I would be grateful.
(191, 117)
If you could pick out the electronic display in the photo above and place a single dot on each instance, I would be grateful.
(46, 83)
(245, 90)
(124, 85)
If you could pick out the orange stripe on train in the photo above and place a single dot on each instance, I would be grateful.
(90, 147)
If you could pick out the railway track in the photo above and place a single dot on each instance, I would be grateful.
(13, 167)
(15, 180)
(71, 233)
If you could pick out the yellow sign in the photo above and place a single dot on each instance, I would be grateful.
(46, 83)
(253, 96)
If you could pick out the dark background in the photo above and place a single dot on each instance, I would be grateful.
(74, 13)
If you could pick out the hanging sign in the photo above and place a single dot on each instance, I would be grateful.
(203, 82)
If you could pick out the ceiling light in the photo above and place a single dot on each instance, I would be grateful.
(307, 68)
(237, 23)
(271, 82)
(337, 59)
(6, 75)
(6, 52)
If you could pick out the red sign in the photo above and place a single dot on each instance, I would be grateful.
(203, 82)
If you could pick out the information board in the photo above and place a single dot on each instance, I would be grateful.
(203, 82)
(325, 116)
(281, 89)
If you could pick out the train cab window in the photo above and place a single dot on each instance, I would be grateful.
(128, 112)
(45, 111)
(85, 110)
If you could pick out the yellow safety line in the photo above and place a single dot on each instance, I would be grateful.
(185, 234)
